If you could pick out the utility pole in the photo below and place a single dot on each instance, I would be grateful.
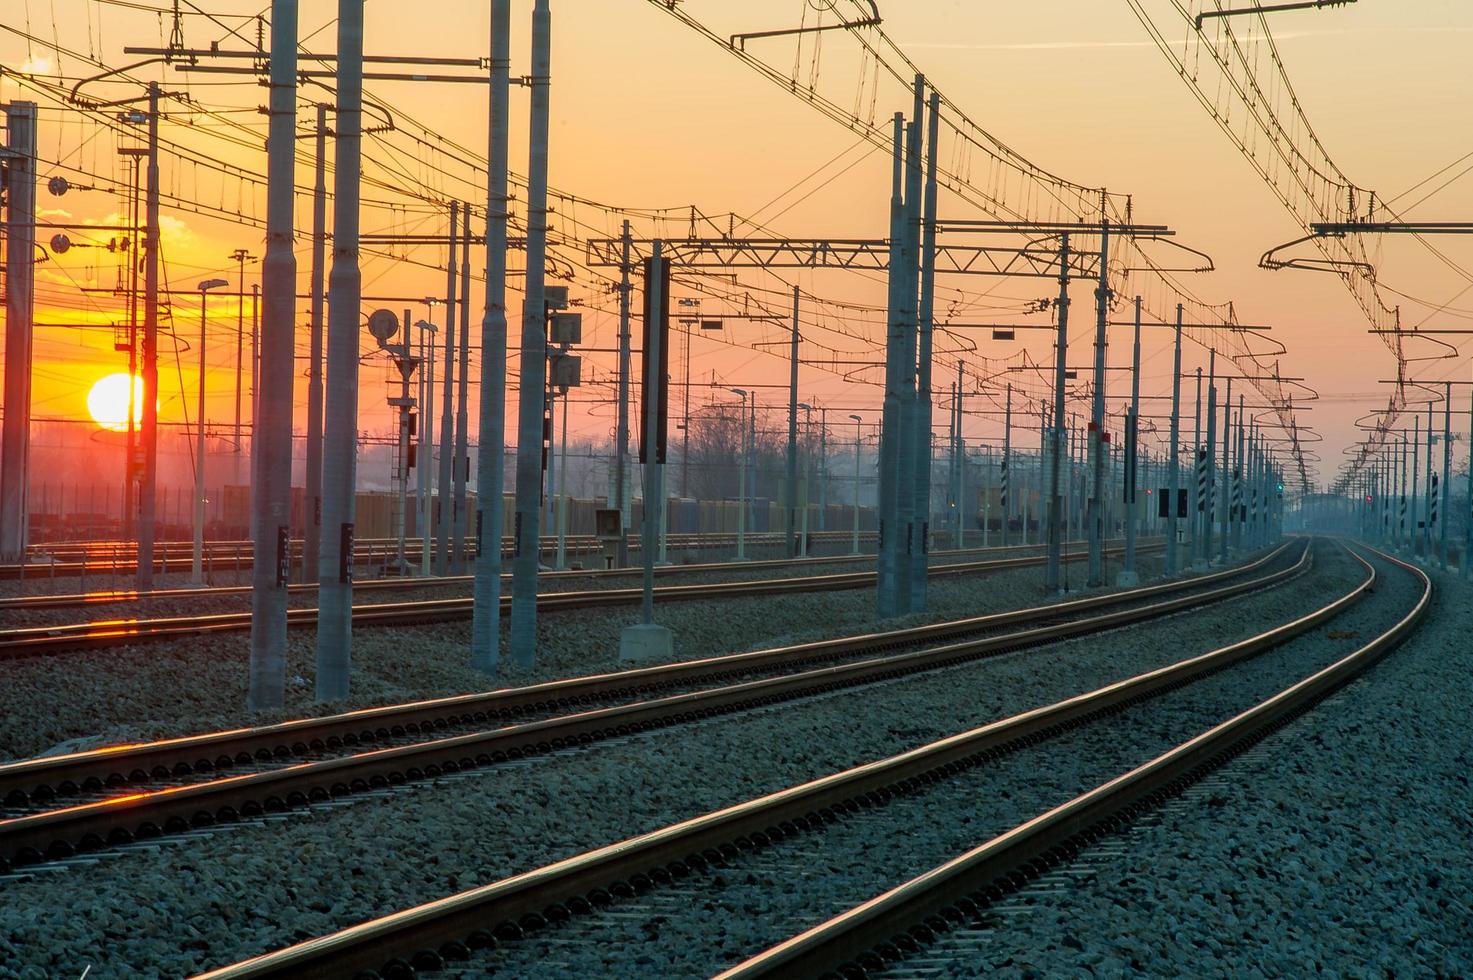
(1173, 553)
(1057, 433)
(1199, 476)
(1097, 447)
(340, 434)
(312, 538)
(1225, 503)
(907, 459)
(447, 405)
(889, 492)
(147, 493)
(491, 462)
(271, 422)
(196, 571)
(462, 416)
(426, 442)
(854, 539)
(1007, 453)
(792, 488)
(241, 256)
(621, 430)
(20, 265)
(1128, 575)
(1466, 561)
(534, 361)
(647, 638)
(919, 558)
(1209, 504)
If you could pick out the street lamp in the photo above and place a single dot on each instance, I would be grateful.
(197, 568)
(741, 554)
(857, 422)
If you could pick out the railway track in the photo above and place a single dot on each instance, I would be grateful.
(82, 599)
(704, 863)
(59, 805)
(61, 638)
(64, 559)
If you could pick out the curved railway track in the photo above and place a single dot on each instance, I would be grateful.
(91, 800)
(61, 638)
(902, 920)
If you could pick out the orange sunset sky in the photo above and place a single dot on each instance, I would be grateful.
(650, 116)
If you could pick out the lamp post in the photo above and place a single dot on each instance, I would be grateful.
(197, 569)
(741, 554)
(854, 541)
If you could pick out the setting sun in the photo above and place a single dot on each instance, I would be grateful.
(108, 402)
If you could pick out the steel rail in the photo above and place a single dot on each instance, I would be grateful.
(119, 765)
(904, 918)
(33, 640)
(427, 935)
(82, 599)
(365, 552)
(91, 826)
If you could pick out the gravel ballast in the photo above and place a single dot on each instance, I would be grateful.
(164, 689)
(213, 899)
(1338, 846)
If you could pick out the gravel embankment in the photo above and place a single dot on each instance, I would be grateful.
(254, 887)
(1338, 847)
(163, 689)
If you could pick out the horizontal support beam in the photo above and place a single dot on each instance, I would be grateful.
(860, 254)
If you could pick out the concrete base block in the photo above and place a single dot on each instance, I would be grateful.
(1127, 580)
(646, 641)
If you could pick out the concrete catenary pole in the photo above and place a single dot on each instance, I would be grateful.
(621, 430)
(1097, 449)
(1199, 478)
(20, 236)
(791, 531)
(459, 514)
(241, 256)
(1224, 508)
(1128, 575)
(1209, 504)
(922, 433)
(854, 534)
(888, 491)
(340, 431)
(271, 422)
(1173, 552)
(312, 537)
(534, 362)
(447, 404)
(491, 461)
(910, 505)
(1465, 563)
(147, 499)
(197, 564)
(423, 481)
(1057, 434)
(1005, 498)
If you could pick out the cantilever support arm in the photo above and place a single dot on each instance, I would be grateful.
(740, 40)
